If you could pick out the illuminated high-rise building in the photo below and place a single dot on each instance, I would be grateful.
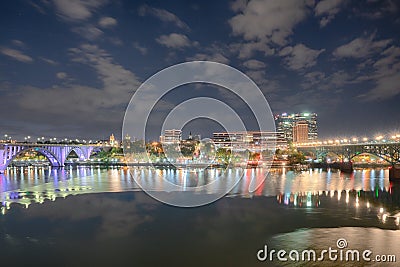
(300, 132)
(286, 122)
(249, 140)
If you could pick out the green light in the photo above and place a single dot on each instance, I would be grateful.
(306, 114)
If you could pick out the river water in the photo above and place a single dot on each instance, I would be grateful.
(96, 216)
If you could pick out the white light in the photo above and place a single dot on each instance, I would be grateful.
(384, 217)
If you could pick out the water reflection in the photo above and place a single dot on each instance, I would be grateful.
(383, 204)
(301, 189)
(124, 228)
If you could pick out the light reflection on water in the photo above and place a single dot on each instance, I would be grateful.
(24, 185)
(292, 210)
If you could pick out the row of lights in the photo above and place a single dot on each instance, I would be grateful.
(42, 139)
(379, 138)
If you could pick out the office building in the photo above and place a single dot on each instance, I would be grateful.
(285, 123)
(250, 140)
(300, 132)
(171, 136)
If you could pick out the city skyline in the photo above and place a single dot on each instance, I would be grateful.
(69, 68)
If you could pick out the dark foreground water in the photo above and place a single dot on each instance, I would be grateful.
(302, 211)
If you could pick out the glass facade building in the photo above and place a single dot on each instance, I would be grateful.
(285, 123)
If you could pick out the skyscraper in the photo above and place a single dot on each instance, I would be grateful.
(300, 132)
(286, 122)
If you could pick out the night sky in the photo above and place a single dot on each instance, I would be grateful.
(68, 68)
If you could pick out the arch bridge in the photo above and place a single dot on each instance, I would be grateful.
(389, 151)
(55, 153)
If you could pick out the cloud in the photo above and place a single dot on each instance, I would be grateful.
(49, 61)
(174, 40)
(361, 47)
(216, 57)
(15, 54)
(254, 64)
(259, 76)
(77, 10)
(247, 50)
(163, 15)
(101, 106)
(238, 5)
(88, 32)
(334, 82)
(379, 9)
(107, 22)
(217, 52)
(327, 9)
(61, 75)
(116, 80)
(386, 87)
(271, 21)
(300, 56)
(37, 7)
(19, 43)
(313, 78)
(115, 41)
(386, 76)
(142, 49)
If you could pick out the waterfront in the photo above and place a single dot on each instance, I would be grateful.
(292, 210)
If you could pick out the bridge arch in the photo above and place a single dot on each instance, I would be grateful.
(56, 154)
(54, 162)
(370, 153)
(79, 152)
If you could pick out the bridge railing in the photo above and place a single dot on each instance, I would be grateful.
(335, 144)
(51, 144)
